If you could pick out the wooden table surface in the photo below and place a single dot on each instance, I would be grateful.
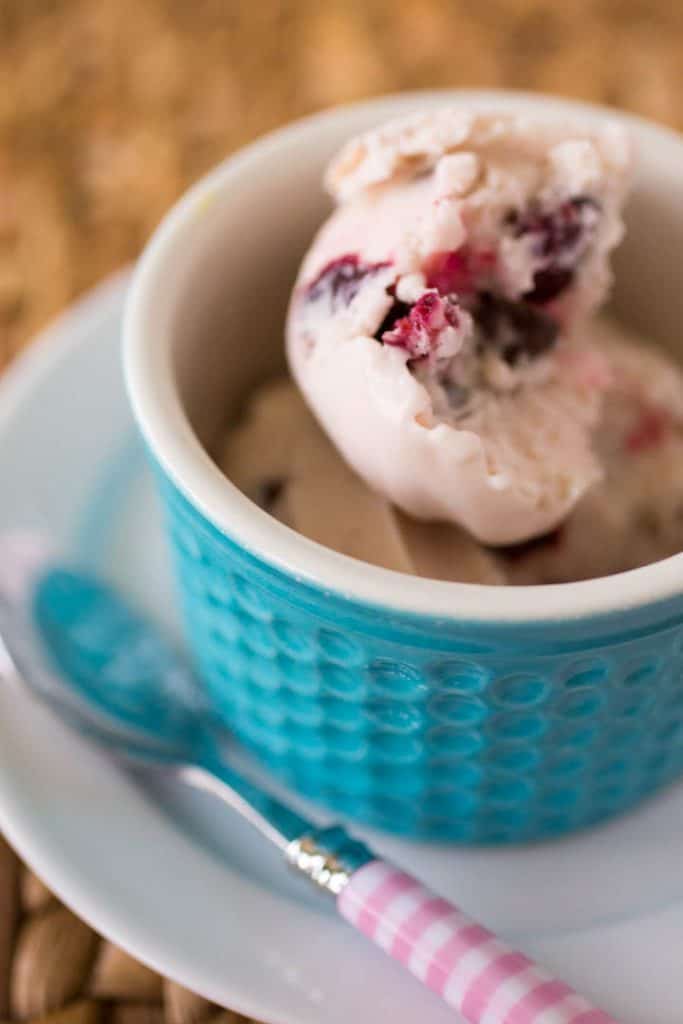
(108, 110)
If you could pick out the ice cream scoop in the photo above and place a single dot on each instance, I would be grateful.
(429, 326)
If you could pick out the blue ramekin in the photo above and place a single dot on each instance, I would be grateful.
(430, 709)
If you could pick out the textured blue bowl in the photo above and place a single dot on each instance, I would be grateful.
(434, 710)
(430, 727)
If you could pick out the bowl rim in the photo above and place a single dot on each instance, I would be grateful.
(165, 427)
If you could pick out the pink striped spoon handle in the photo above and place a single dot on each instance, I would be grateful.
(476, 974)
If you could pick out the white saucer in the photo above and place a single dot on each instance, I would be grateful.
(186, 887)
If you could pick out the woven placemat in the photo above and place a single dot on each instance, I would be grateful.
(108, 110)
(54, 968)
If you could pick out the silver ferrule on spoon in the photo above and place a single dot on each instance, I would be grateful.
(328, 856)
(481, 977)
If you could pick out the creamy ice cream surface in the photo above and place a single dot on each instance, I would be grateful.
(434, 328)
(279, 456)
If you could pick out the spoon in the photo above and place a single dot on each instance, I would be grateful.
(111, 674)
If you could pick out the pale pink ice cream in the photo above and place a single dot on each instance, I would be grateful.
(278, 455)
(634, 515)
(429, 327)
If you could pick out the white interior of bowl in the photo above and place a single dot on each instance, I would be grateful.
(205, 322)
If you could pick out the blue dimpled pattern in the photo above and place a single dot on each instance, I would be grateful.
(434, 729)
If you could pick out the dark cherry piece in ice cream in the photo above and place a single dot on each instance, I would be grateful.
(419, 330)
(653, 427)
(340, 280)
(397, 312)
(558, 240)
(515, 329)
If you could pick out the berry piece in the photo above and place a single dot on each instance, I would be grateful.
(340, 280)
(548, 284)
(429, 327)
(559, 240)
(651, 429)
(399, 310)
(514, 329)
(461, 271)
